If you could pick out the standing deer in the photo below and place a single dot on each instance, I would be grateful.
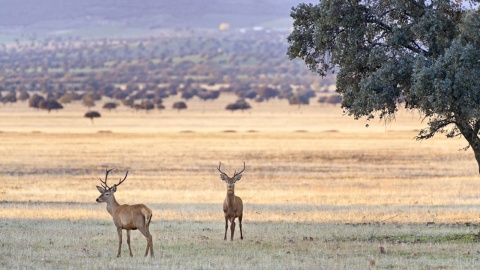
(126, 217)
(233, 205)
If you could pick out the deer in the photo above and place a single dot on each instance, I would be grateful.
(233, 205)
(126, 217)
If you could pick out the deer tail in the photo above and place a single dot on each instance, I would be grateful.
(147, 213)
(148, 219)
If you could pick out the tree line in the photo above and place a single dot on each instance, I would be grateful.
(141, 72)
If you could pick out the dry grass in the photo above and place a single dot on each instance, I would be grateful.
(311, 172)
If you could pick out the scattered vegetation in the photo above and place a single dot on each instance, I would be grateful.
(92, 114)
(141, 73)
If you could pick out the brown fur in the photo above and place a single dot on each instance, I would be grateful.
(232, 205)
(232, 208)
(128, 217)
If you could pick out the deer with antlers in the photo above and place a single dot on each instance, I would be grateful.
(126, 217)
(233, 205)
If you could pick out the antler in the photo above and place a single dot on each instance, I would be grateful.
(104, 183)
(121, 181)
(220, 164)
(235, 173)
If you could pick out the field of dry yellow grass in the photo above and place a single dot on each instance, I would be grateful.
(320, 190)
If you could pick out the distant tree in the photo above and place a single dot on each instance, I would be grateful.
(137, 107)
(206, 95)
(92, 114)
(88, 101)
(149, 96)
(259, 99)
(119, 94)
(251, 94)
(267, 92)
(68, 97)
(108, 90)
(50, 104)
(240, 104)
(147, 105)
(322, 99)
(23, 95)
(35, 101)
(334, 99)
(129, 102)
(160, 107)
(110, 106)
(10, 97)
(188, 94)
(179, 105)
(161, 93)
(426, 53)
(298, 99)
(232, 107)
(172, 89)
(214, 94)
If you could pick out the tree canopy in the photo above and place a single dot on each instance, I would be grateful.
(422, 54)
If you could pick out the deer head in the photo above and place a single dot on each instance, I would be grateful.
(230, 180)
(106, 191)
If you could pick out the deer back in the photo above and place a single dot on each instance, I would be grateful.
(131, 217)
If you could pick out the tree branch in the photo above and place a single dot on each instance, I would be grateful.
(371, 19)
(435, 126)
(476, 128)
(386, 12)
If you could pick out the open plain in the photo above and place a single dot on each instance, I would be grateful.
(320, 190)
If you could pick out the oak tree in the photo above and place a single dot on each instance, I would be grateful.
(423, 53)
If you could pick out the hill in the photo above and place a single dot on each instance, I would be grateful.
(54, 15)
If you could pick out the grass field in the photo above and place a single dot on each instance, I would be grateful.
(320, 190)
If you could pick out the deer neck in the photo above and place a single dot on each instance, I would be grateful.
(230, 196)
(112, 206)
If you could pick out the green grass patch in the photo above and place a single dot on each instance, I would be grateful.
(457, 238)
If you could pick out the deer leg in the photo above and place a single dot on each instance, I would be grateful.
(226, 227)
(151, 238)
(119, 231)
(232, 228)
(147, 235)
(151, 247)
(240, 224)
(128, 242)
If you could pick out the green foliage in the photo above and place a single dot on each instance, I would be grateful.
(425, 54)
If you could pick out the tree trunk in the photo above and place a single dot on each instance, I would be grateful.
(471, 135)
(476, 150)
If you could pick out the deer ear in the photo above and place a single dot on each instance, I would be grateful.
(100, 189)
(224, 178)
(237, 178)
(114, 188)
